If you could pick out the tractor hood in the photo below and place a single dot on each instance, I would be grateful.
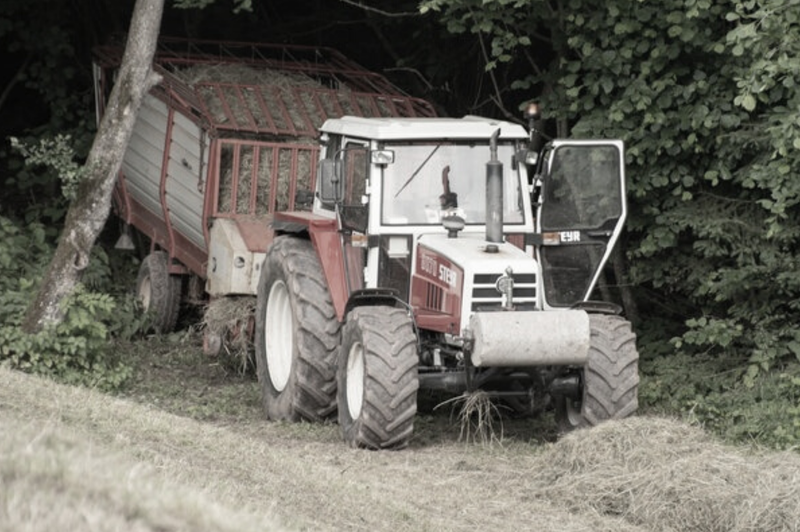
(468, 274)
(473, 250)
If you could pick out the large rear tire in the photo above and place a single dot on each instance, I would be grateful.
(297, 334)
(610, 378)
(158, 292)
(377, 378)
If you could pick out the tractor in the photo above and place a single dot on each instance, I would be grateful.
(446, 254)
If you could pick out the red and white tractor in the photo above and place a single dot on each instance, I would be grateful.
(445, 254)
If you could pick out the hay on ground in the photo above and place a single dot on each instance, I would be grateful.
(665, 475)
(231, 318)
(52, 478)
(478, 416)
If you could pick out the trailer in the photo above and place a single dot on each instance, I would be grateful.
(225, 140)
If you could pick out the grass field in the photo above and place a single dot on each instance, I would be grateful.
(185, 448)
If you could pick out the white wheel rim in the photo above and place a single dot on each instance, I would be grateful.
(144, 293)
(355, 380)
(278, 336)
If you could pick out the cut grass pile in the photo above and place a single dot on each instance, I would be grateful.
(666, 475)
(231, 319)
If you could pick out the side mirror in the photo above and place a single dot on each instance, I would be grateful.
(330, 180)
(529, 157)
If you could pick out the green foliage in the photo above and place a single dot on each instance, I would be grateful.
(80, 350)
(41, 45)
(32, 192)
(715, 199)
(514, 37)
(58, 154)
(36, 30)
(710, 391)
(498, 20)
(77, 351)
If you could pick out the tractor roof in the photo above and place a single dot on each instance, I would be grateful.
(468, 127)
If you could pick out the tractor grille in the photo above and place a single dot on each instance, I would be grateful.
(486, 297)
(433, 297)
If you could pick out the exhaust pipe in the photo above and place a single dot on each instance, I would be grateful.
(494, 193)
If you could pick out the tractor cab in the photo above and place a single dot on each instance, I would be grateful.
(402, 188)
(395, 183)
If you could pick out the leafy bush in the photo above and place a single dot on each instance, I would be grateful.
(80, 350)
(58, 154)
(711, 391)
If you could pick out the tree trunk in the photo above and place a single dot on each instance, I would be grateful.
(88, 213)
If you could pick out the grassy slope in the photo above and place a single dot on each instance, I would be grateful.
(187, 450)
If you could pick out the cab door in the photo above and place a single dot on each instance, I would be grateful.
(581, 212)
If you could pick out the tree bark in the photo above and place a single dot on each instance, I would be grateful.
(88, 213)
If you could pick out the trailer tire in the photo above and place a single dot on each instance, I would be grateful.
(158, 292)
(297, 334)
(610, 378)
(377, 378)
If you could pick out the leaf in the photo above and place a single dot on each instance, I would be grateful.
(794, 347)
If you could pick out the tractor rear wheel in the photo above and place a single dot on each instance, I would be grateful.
(377, 378)
(610, 378)
(297, 334)
(158, 292)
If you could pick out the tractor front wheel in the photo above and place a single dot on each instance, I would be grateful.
(297, 334)
(377, 378)
(610, 378)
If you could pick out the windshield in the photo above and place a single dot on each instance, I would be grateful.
(429, 181)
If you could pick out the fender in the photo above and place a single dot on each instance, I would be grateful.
(325, 236)
(371, 297)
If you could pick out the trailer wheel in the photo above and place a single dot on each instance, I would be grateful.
(158, 292)
(377, 378)
(610, 378)
(297, 334)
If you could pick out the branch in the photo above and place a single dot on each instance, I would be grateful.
(360, 5)
(497, 98)
(427, 83)
(532, 62)
(14, 80)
